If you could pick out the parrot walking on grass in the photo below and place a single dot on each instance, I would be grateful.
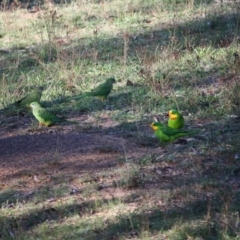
(43, 116)
(176, 120)
(167, 134)
(33, 96)
(102, 91)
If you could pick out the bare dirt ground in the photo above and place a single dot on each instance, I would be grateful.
(34, 155)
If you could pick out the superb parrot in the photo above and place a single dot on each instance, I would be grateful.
(167, 134)
(33, 96)
(102, 91)
(176, 120)
(43, 116)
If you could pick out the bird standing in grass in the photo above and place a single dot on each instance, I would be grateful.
(43, 116)
(176, 120)
(33, 96)
(167, 134)
(102, 91)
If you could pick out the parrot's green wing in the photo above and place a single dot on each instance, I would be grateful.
(167, 134)
(176, 120)
(33, 96)
(48, 118)
(102, 91)
(43, 116)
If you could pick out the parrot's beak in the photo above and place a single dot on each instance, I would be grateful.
(154, 128)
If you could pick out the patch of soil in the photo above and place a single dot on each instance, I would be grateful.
(26, 154)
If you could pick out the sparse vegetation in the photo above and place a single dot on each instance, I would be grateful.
(107, 177)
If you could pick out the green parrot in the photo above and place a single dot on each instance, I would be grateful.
(33, 96)
(167, 134)
(102, 91)
(176, 120)
(43, 116)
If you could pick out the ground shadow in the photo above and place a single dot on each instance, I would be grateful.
(152, 220)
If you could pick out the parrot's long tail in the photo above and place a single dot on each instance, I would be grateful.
(78, 97)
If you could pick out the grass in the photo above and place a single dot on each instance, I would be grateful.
(163, 54)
